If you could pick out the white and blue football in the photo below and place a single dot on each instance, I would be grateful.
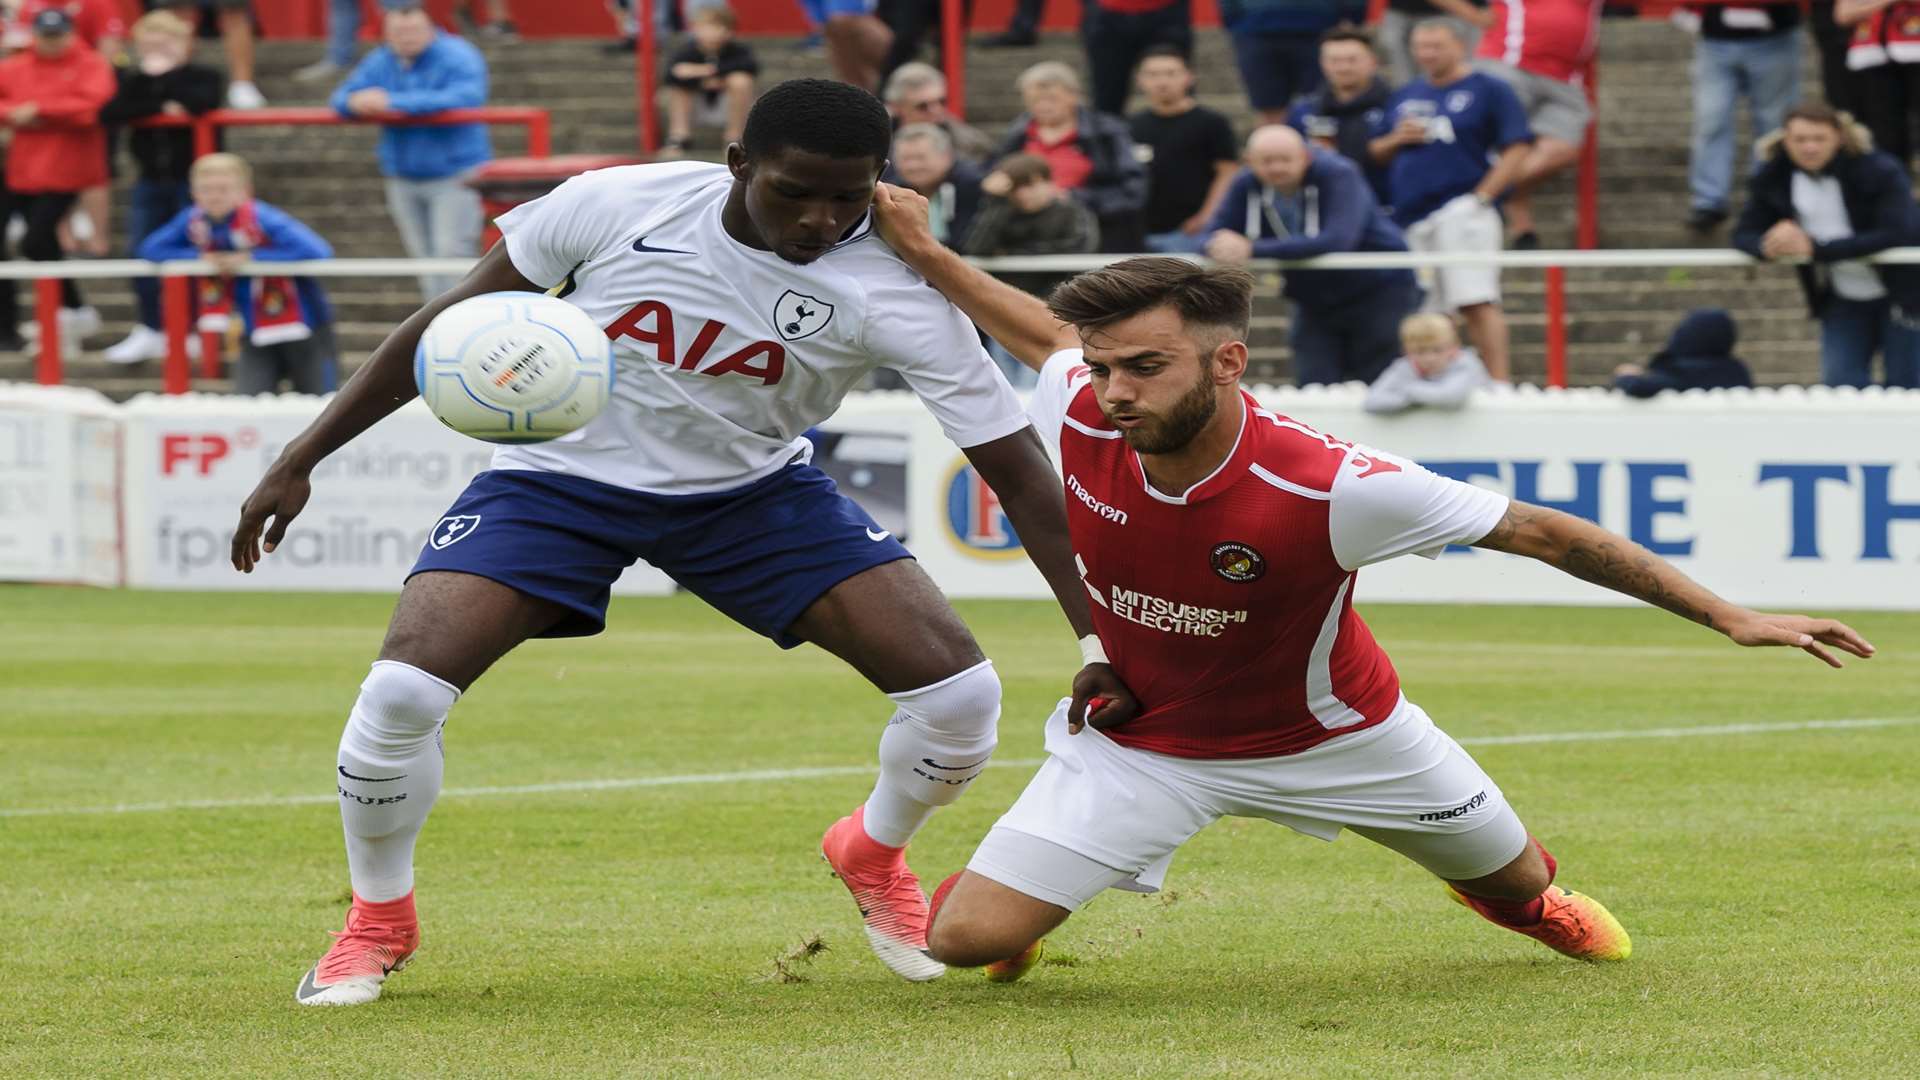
(514, 367)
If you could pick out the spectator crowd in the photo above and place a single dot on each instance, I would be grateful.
(1427, 133)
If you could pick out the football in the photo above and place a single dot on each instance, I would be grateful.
(512, 367)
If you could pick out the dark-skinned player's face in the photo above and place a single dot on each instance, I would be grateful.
(802, 202)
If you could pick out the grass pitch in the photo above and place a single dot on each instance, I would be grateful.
(687, 927)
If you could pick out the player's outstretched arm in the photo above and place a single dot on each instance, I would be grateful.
(1591, 553)
(1013, 318)
(380, 386)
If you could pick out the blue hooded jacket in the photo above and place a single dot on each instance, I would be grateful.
(1698, 356)
(1341, 215)
(287, 240)
(449, 74)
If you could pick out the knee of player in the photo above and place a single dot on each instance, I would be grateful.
(401, 698)
(962, 706)
(962, 939)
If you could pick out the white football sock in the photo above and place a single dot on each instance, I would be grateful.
(389, 771)
(938, 740)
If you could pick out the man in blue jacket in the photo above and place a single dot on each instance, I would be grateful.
(418, 71)
(1295, 202)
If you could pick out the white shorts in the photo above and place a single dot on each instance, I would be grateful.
(1099, 815)
(1450, 288)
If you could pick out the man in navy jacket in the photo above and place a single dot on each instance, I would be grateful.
(418, 71)
(1821, 199)
(1295, 202)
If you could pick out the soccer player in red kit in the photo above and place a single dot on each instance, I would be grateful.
(1218, 542)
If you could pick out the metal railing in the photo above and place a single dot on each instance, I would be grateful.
(176, 276)
(206, 126)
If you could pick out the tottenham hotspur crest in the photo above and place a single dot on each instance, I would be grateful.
(797, 315)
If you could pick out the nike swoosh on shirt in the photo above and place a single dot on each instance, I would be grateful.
(370, 779)
(877, 535)
(641, 245)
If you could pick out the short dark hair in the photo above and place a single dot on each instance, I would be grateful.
(1348, 32)
(1164, 49)
(1024, 169)
(820, 116)
(1205, 296)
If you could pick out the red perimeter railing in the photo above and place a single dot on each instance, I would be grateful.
(176, 303)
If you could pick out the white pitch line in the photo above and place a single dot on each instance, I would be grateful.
(632, 782)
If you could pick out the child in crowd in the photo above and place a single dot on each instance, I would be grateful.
(288, 323)
(160, 82)
(1023, 212)
(1698, 356)
(710, 79)
(1436, 371)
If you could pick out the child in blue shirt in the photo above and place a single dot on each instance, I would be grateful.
(288, 322)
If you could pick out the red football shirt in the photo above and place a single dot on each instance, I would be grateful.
(1554, 38)
(1228, 608)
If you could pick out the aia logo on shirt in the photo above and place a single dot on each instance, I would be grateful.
(650, 322)
(1236, 561)
(975, 521)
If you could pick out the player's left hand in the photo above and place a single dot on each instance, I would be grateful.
(900, 213)
(1799, 631)
(1098, 686)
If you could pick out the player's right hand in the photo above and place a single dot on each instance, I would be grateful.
(280, 495)
(900, 213)
(1100, 699)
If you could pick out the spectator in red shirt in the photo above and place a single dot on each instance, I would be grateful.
(98, 23)
(1089, 153)
(50, 95)
(1540, 48)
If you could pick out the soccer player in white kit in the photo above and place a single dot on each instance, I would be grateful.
(744, 302)
(1219, 543)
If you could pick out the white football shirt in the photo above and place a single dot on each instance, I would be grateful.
(725, 355)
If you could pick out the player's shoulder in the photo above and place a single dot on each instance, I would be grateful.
(624, 184)
(1297, 457)
(872, 262)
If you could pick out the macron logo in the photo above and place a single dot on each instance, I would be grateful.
(1113, 514)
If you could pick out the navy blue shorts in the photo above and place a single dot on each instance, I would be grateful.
(760, 554)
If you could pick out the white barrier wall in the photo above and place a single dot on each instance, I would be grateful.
(190, 461)
(59, 492)
(1790, 498)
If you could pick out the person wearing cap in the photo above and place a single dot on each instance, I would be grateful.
(99, 24)
(50, 96)
(420, 70)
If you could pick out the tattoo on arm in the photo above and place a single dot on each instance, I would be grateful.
(1593, 554)
(1630, 569)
